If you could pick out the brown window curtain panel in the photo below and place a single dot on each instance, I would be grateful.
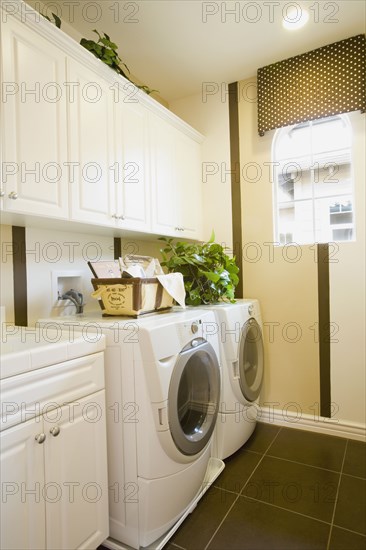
(324, 82)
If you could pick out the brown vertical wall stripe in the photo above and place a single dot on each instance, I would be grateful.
(117, 248)
(20, 277)
(324, 329)
(235, 182)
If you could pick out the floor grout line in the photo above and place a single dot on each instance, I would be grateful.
(176, 545)
(273, 440)
(304, 464)
(233, 504)
(285, 509)
(221, 522)
(349, 530)
(336, 497)
(355, 477)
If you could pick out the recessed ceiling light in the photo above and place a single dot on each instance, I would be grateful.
(295, 17)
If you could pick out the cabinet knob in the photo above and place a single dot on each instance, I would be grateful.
(2, 193)
(13, 195)
(121, 218)
(115, 216)
(40, 438)
(55, 431)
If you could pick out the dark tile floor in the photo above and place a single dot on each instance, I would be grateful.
(286, 489)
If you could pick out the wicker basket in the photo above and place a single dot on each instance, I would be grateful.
(131, 296)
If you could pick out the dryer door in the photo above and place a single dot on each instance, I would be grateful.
(251, 362)
(194, 395)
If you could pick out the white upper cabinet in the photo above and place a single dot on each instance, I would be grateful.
(189, 186)
(130, 169)
(79, 146)
(164, 192)
(34, 127)
(91, 145)
(176, 181)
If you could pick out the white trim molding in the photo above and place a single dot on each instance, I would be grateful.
(319, 424)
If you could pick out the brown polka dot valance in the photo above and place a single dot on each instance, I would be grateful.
(324, 82)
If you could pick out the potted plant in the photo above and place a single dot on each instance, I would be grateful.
(210, 275)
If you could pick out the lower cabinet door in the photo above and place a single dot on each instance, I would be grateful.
(22, 487)
(76, 474)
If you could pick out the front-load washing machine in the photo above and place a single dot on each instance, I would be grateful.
(239, 327)
(162, 394)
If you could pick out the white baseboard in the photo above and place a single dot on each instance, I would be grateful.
(290, 419)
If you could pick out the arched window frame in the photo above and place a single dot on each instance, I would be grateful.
(279, 134)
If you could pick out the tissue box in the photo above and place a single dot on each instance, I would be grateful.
(131, 296)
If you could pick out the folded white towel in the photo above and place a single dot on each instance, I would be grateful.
(174, 285)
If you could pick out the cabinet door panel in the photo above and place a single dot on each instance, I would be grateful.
(76, 466)
(189, 184)
(131, 169)
(35, 137)
(22, 487)
(163, 177)
(90, 138)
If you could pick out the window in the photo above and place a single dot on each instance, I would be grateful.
(313, 182)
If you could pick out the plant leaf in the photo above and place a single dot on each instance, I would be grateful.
(57, 20)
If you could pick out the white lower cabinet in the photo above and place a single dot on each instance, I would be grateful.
(54, 485)
(76, 475)
(23, 519)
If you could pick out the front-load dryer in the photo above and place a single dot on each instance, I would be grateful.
(162, 393)
(239, 327)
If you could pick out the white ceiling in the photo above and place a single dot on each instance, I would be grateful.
(177, 45)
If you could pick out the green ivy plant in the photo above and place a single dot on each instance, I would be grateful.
(56, 19)
(210, 275)
(106, 50)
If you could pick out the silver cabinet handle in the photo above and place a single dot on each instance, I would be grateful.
(122, 217)
(2, 193)
(55, 431)
(13, 195)
(179, 228)
(40, 438)
(115, 216)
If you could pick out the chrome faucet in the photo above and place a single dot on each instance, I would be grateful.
(75, 297)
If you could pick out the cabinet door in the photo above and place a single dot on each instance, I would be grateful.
(130, 168)
(91, 140)
(22, 488)
(164, 190)
(76, 469)
(34, 107)
(189, 186)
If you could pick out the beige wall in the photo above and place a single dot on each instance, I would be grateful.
(73, 32)
(51, 254)
(347, 299)
(288, 290)
(210, 116)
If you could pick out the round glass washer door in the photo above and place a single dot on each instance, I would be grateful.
(194, 395)
(251, 360)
